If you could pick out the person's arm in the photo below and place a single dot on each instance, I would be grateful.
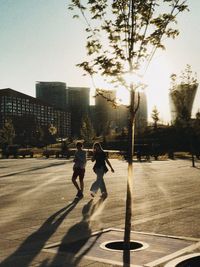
(109, 164)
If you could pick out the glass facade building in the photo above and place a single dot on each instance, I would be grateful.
(15, 104)
(54, 93)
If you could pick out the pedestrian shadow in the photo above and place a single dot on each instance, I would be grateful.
(75, 244)
(34, 243)
(33, 169)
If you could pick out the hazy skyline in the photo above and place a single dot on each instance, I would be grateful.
(40, 41)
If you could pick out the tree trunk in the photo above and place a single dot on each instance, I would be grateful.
(128, 215)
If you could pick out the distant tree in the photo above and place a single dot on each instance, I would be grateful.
(123, 37)
(155, 117)
(51, 134)
(7, 133)
(186, 77)
(52, 129)
(87, 130)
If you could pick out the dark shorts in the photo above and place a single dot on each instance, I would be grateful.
(78, 172)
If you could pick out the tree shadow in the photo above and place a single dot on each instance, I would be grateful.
(34, 243)
(75, 244)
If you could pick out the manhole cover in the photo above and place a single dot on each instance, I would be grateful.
(119, 245)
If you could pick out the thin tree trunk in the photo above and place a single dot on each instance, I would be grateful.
(128, 215)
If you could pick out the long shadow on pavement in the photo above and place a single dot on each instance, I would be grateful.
(33, 169)
(74, 244)
(32, 246)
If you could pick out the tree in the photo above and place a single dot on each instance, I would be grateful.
(155, 117)
(87, 130)
(51, 134)
(7, 133)
(123, 36)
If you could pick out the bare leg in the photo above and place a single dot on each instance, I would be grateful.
(75, 183)
(81, 185)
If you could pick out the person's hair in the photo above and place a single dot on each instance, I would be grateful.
(79, 144)
(97, 144)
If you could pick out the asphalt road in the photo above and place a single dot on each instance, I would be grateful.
(33, 192)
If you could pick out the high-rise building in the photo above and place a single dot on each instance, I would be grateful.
(105, 113)
(122, 114)
(108, 115)
(79, 97)
(15, 105)
(78, 100)
(141, 115)
(181, 99)
(54, 93)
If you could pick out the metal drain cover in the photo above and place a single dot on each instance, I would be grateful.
(189, 260)
(192, 262)
(118, 245)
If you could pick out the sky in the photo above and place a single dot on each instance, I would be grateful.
(40, 41)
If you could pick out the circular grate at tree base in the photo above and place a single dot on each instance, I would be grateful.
(119, 245)
(188, 260)
(192, 262)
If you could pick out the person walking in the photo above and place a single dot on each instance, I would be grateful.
(100, 168)
(79, 169)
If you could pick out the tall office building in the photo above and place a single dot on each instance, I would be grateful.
(78, 100)
(54, 93)
(122, 114)
(116, 117)
(105, 113)
(181, 99)
(141, 115)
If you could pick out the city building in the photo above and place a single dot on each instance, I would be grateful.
(141, 115)
(54, 93)
(105, 112)
(181, 99)
(121, 113)
(15, 105)
(78, 100)
(108, 116)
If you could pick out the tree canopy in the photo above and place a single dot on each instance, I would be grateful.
(122, 36)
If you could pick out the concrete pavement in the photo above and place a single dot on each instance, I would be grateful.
(37, 207)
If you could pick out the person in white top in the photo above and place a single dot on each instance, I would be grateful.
(79, 169)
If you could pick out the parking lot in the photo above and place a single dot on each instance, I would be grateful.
(33, 191)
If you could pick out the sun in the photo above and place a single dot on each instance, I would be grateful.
(156, 79)
(123, 96)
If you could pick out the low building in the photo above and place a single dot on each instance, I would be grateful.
(15, 105)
